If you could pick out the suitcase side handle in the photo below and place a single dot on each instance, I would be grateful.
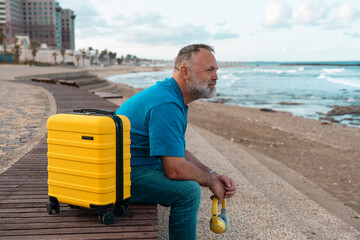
(96, 111)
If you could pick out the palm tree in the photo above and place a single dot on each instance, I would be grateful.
(83, 55)
(92, 58)
(77, 57)
(97, 55)
(55, 54)
(62, 52)
(16, 50)
(3, 40)
(90, 49)
(34, 48)
(112, 56)
(102, 55)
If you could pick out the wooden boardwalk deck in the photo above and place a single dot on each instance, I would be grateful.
(23, 193)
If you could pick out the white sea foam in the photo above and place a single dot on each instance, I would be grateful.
(344, 82)
(333, 70)
(228, 76)
(268, 71)
(352, 100)
(265, 86)
(322, 76)
(278, 71)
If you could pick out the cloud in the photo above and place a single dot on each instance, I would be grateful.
(221, 24)
(352, 35)
(145, 27)
(89, 23)
(225, 35)
(343, 17)
(152, 28)
(309, 14)
(167, 35)
(348, 12)
(330, 16)
(175, 35)
(149, 18)
(277, 15)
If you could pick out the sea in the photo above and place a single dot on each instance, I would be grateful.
(306, 89)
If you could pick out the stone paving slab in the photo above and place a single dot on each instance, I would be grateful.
(24, 110)
(265, 206)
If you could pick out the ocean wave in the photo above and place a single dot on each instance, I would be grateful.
(230, 83)
(322, 76)
(333, 70)
(344, 82)
(278, 71)
(352, 100)
(228, 76)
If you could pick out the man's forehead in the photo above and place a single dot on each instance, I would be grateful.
(205, 58)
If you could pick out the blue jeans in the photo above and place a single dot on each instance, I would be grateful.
(184, 197)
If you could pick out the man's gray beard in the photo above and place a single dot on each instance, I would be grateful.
(201, 91)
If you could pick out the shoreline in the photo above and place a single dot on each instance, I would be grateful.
(343, 113)
(307, 146)
(325, 154)
(324, 168)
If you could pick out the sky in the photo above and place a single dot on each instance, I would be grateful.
(239, 30)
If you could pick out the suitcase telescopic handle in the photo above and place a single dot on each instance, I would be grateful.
(95, 111)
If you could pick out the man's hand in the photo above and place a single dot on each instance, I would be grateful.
(230, 188)
(218, 188)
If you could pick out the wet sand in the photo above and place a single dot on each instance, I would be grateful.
(327, 154)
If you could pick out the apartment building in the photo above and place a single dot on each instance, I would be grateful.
(11, 16)
(68, 28)
(41, 20)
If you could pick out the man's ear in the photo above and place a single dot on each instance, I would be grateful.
(185, 71)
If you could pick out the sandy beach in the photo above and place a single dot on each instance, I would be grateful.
(326, 154)
(323, 157)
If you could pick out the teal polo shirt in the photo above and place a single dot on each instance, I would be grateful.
(158, 118)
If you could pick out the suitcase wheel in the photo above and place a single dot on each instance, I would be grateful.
(120, 210)
(53, 206)
(107, 218)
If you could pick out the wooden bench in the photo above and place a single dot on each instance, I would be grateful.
(23, 193)
(45, 80)
(68, 82)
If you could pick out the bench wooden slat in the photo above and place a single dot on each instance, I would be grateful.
(23, 192)
(118, 235)
(46, 80)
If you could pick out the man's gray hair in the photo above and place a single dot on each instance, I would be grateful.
(186, 53)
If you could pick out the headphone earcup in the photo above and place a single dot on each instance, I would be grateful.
(226, 221)
(219, 227)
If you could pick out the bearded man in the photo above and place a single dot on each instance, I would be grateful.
(163, 172)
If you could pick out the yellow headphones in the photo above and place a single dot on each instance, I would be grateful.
(219, 223)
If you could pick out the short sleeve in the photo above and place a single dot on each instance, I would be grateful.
(167, 126)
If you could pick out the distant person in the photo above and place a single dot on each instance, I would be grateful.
(163, 172)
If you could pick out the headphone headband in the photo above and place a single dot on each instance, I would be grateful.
(214, 206)
(218, 223)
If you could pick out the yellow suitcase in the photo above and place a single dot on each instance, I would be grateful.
(89, 162)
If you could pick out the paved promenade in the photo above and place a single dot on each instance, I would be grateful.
(24, 110)
(265, 207)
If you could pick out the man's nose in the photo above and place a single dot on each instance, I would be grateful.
(215, 76)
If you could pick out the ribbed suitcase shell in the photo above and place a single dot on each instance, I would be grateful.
(82, 159)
